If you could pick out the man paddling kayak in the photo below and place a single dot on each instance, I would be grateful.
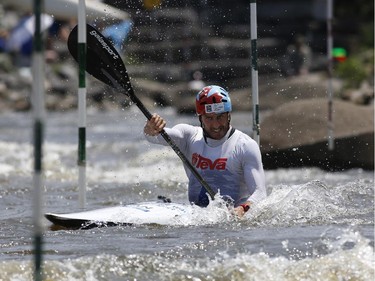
(228, 159)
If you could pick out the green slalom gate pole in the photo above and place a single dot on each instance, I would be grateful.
(331, 138)
(82, 92)
(254, 70)
(38, 105)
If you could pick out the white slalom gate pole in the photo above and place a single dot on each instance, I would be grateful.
(82, 92)
(38, 105)
(331, 138)
(254, 70)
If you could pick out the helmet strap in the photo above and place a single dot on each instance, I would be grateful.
(200, 120)
(204, 131)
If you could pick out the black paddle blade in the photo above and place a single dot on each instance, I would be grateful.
(105, 64)
(102, 59)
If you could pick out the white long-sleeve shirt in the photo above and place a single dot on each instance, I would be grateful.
(232, 165)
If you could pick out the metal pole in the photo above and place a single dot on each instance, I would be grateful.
(38, 105)
(331, 137)
(82, 91)
(254, 70)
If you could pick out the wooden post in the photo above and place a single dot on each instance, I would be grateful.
(38, 105)
(82, 92)
(254, 70)
(331, 137)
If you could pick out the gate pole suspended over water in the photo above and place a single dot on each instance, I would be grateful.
(331, 137)
(82, 92)
(38, 105)
(254, 70)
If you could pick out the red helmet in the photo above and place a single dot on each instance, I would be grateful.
(213, 99)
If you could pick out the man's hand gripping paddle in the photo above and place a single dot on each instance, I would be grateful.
(105, 64)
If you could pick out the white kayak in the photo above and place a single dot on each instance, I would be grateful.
(134, 214)
(146, 213)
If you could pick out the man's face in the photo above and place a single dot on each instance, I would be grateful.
(216, 125)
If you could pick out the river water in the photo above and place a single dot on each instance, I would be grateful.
(314, 225)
